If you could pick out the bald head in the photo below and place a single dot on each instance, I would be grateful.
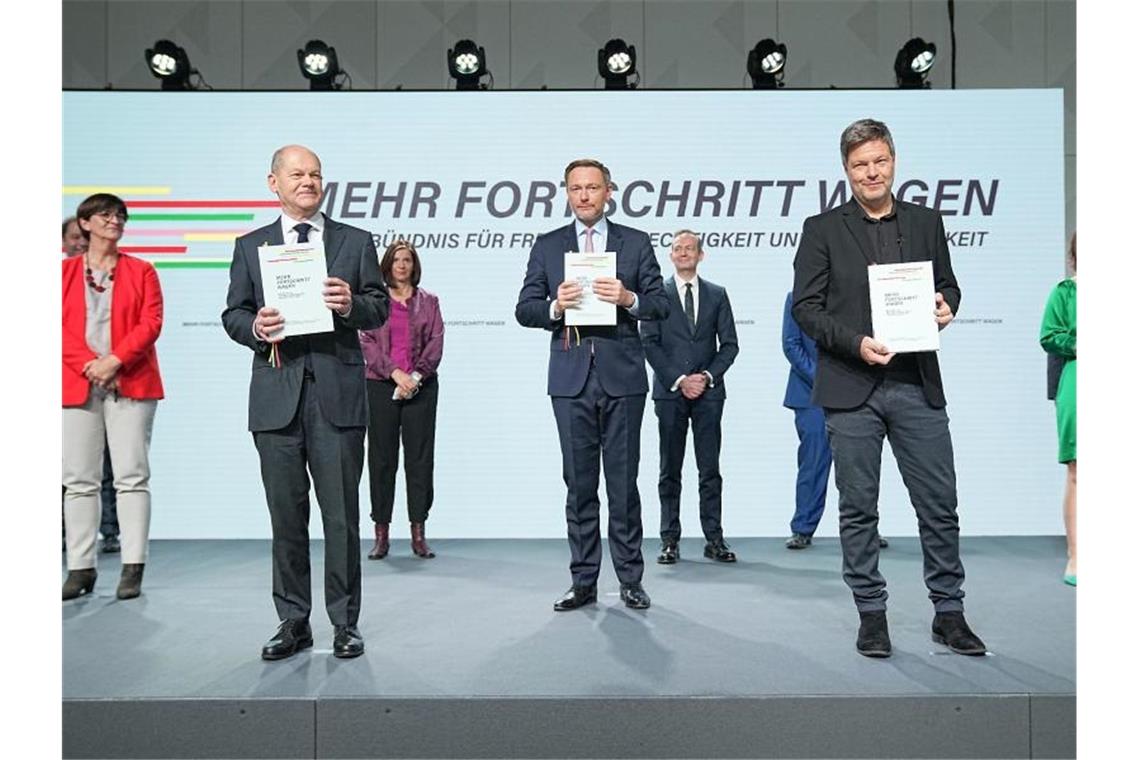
(295, 177)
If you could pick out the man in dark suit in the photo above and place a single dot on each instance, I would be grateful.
(813, 458)
(596, 379)
(307, 408)
(869, 393)
(690, 351)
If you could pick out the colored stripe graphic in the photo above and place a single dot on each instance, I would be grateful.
(180, 232)
(136, 249)
(203, 204)
(191, 264)
(116, 189)
(191, 217)
(211, 237)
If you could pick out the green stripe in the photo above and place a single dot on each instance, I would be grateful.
(191, 264)
(191, 217)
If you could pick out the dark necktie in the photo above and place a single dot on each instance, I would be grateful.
(302, 231)
(690, 309)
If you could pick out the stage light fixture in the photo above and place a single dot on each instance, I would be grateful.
(766, 63)
(617, 62)
(169, 63)
(467, 63)
(913, 63)
(319, 65)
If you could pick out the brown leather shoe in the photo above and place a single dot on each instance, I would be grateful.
(380, 548)
(419, 544)
(130, 581)
(79, 582)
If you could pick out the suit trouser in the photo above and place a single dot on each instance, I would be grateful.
(124, 425)
(673, 415)
(588, 424)
(391, 421)
(920, 439)
(813, 466)
(335, 457)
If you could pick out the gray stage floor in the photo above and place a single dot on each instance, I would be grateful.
(477, 622)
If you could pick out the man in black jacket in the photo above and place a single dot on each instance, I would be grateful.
(869, 393)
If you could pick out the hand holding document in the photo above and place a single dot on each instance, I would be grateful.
(292, 280)
(902, 306)
(584, 268)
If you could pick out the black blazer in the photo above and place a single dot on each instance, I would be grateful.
(335, 357)
(617, 351)
(831, 299)
(674, 350)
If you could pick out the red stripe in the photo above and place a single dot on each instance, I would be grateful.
(203, 204)
(152, 248)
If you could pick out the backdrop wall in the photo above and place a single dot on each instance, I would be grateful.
(472, 177)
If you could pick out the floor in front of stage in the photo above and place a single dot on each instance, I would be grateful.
(476, 623)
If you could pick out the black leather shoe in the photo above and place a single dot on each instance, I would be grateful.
(951, 630)
(873, 641)
(347, 641)
(719, 551)
(575, 597)
(634, 596)
(670, 553)
(111, 545)
(292, 636)
(798, 541)
(79, 582)
(883, 543)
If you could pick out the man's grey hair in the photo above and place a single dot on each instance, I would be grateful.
(279, 156)
(861, 131)
(679, 233)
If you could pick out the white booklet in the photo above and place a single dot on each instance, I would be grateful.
(584, 268)
(292, 278)
(902, 306)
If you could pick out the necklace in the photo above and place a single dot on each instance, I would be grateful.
(91, 278)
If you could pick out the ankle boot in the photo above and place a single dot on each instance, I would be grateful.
(79, 582)
(419, 544)
(380, 548)
(130, 582)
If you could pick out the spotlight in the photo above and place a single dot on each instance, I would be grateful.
(913, 63)
(467, 63)
(766, 63)
(169, 63)
(617, 62)
(319, 65)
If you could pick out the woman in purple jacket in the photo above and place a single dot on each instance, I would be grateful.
(402, 358)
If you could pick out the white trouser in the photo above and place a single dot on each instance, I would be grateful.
(127, 424)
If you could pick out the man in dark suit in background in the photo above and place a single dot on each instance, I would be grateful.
(869, 393)
(307, 412)
(596, 380)
(813, 458)
(690, 351)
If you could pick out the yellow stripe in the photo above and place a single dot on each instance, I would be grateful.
(228, 237)
(115, 189)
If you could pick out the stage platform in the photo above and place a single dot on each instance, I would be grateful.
(465, 658)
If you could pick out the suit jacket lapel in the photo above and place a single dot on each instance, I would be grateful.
(704, 307)
(853, 218)
(332, 238)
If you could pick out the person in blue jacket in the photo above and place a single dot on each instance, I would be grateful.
(813, 459)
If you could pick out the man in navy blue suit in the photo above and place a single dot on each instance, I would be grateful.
(813, 459)
(596, 380)
(690, 351)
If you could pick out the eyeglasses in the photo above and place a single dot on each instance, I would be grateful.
(591, 189)
(110, 216)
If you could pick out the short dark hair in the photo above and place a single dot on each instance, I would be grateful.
(389, 258)
(592, 163)
(861, 131)
(1071, 258)
(695, 236)
(97, 204)
(67, 223)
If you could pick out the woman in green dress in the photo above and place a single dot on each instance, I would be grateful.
(1059, 337)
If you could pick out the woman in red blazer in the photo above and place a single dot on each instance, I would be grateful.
(112, 315)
